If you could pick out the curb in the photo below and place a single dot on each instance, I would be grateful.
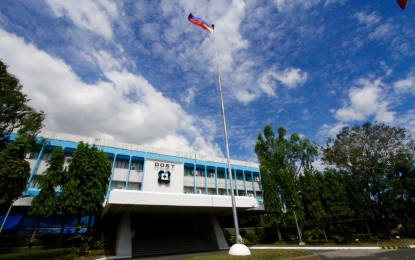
(395, 247)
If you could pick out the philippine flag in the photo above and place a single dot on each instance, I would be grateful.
(199, 22)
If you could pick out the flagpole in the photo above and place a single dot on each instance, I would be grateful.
(245, 250)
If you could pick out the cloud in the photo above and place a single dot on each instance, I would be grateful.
(364, 102)
(90, 15)
(284, 5)
(290, 78)
(327, 130)
(367, 19)
(123, 106)
(407, 120)
(406, 86)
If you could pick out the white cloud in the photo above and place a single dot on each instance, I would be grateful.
(364, 102)
(87, 14)
(407, 120)
(188, 97)
(124, 107)
(367, 19)
(245, 96)
(284, 5)
(331, 130)
(406, 86)
(292, 77)
(382, 32)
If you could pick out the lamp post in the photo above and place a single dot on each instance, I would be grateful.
(7, 214)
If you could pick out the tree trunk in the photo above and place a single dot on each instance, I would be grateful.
(279, 234)
(324, 232)
(63, 221)
(89, 224)
(78, 224)
(368, 230)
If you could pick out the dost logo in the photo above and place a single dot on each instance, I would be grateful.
(164, 173)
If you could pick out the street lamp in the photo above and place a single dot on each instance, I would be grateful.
(7, 214)
(20, 203)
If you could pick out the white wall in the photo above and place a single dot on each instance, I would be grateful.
(152, 168)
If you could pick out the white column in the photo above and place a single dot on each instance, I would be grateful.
(123, 246)
(220, 238)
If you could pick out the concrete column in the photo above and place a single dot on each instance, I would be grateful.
(220, 238)
(123, 246)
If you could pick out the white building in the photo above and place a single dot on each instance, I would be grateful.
(161, 201)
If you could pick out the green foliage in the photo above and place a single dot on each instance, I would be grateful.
(14, 170)
(281, 162)
(335, 199)
(376, 158)
(15, 114)
(47, 202)
(311, 195)
(87, 179)
(313, 234)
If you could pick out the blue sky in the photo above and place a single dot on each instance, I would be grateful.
(140, 72)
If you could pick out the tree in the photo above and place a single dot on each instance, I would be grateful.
(311, 195)
(281, 162)
(14, 170)
(47, 202)
(87, 178)
(15, 113)
(373, 156)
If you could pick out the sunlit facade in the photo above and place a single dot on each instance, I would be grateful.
(147, 185)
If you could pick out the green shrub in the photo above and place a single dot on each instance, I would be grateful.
(339, 239)
(313, 234)
(251, 239)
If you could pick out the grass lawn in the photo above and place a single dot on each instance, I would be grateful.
(255, 254)
(392, 242)
(286, 254)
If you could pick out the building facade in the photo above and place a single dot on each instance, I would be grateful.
(160, 200)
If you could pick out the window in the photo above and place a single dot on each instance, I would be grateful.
(35, 182)
(33, 154)
(121, 164)
(134, 186)
(188, 172)
(248, 176)
(137, 166)
(259, 194)
(117, 185)
(188, 190)
(221, 175)
(239, 176)
(46, 155)
(211, 191)
(222, 191)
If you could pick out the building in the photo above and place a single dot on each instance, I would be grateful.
(161, 201)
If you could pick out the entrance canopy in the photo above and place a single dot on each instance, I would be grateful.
(156, 202)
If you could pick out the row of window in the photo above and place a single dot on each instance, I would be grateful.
(219, 174)
(212, 191)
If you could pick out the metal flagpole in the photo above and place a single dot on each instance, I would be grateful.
(235, 217)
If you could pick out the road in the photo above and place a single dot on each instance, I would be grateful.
(366, 254)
